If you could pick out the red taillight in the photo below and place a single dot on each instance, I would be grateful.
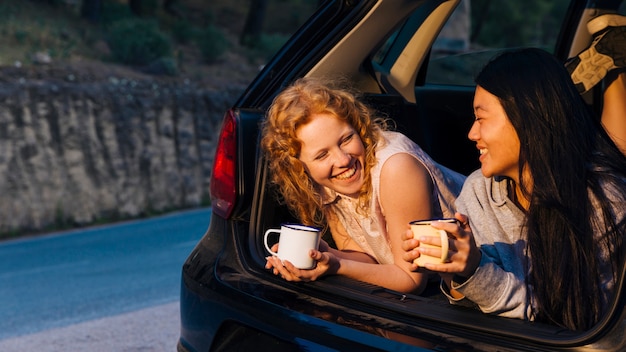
(223, 183)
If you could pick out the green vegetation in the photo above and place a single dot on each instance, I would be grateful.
(193, 38)
(212, 43)
(137, 41)
(202, 31)
(198, 31)
(267, 45)
(508, 22)
(28, 27)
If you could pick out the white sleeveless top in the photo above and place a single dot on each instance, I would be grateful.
(370, 232)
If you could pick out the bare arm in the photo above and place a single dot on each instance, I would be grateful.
(405, 193)
(346, 247)
(614, 111)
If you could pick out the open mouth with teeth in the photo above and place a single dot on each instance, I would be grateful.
(348, 173)
(482, 151)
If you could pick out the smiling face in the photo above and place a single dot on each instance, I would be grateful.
(495, 137)
(333, 153)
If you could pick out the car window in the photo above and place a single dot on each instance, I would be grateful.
(479, 29)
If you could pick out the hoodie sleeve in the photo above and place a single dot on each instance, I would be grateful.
(498, 286)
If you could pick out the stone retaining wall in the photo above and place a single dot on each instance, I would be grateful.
(72, 153)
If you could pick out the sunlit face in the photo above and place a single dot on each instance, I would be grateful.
(495, 137)
(333, 154)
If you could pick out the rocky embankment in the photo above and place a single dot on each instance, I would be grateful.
(79, 146)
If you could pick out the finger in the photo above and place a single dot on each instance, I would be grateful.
(316, 255)
(321, 258)
(447, 226)
(454, 229)
(433, 252)
(271, 262)
(409, 245)
(407, 235)
(433, 267)
(289, 272)
(442, 268)
(454, 264)
(463, 219)
(291, 268)
(278, 266)
(301, 274)
(410, 256)
(432, 240)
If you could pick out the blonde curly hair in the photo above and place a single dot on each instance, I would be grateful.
(292, 108)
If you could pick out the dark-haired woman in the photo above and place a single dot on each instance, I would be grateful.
(543, 235)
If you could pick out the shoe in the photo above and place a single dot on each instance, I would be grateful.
(598, 24)
(607, 52)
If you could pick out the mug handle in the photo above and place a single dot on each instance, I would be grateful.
(444, 245)
(265, 240)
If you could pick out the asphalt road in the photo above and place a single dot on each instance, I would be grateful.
(124, 276)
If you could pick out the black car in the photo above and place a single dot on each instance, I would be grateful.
(414, 61)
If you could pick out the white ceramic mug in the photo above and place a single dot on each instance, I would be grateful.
(294, 244)
(423, 228)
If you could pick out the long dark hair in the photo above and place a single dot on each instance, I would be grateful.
(570, 158)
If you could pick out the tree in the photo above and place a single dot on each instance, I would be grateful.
(254, 22)
(135, 7)
(170, 7)
(143, 8)
(508, 24)
(91, 10)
